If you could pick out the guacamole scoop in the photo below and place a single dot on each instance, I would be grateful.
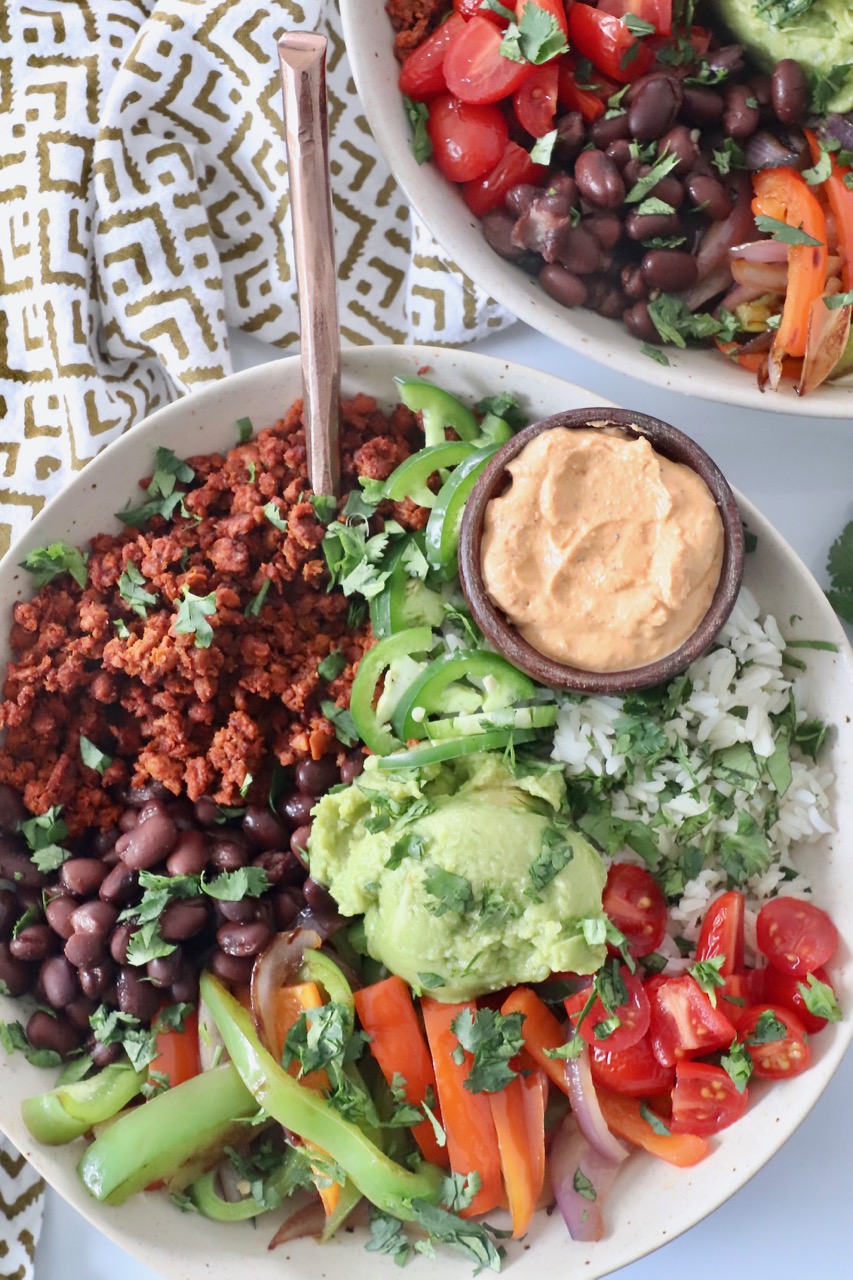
(469, 876)
(818, 35)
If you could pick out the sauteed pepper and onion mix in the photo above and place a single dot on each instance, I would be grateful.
(638, 164)
(251, 741)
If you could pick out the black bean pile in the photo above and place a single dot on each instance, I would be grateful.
(614, 257)
(61, 939)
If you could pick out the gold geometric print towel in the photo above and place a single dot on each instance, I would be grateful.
(144, 206)
(21, 1201)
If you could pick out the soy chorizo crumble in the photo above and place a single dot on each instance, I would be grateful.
(200, 720)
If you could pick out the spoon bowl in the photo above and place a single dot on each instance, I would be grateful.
(505, 636)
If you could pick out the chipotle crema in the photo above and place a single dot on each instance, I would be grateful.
(604, 554)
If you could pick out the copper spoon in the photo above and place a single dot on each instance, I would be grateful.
(302, 55)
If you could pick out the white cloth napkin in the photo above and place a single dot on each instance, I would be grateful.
(21, 1204)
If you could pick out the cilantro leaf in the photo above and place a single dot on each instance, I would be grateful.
(675, 323)
(13, 1037)
(429, 981)
(493, 1039)
(825, 87)
(331, 666)
(653, 1120)
(707, 974)
(352, 558)
(745, 852)
(654, 353)
(253, 608)
(147, 943)
(819, 999)
(233, 886)
(410, 845)
(450, 891)
(821, 170)
(43, 834)
(110, 1026)
(503, 405)
(387, 1236)
(639, 26)
(583, 1186)
(325, 506)
(458, 1190)
(163, 497)
(780, 13)
(537, 38)
(767, 1030)
(93, 757)
(555, 853)
(644, 185)
(738, 1065)
(543, 148)
(340, 718)
(418, 113)
(472, 1239)
(840, 568)
(244, 429)
(47, 563)
(274, 516)
(782, 231)
(836, 300)
(193, 612)
(730, 156)
(132, 590)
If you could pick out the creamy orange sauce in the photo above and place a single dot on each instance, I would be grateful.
(603, 553)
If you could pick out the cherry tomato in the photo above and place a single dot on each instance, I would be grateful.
(467, 139)
(473, 9)
(608, 44)
(555, 8)
(422, 74)
(635, 904)
(705, 1099)
(784, 989)
(722, 932)
(475, 69)
(684, 1023)
(795, 935)
(535, 101)
(657, 12)
(490, 191)
(588, 96)
(741, 991)
(776, 1059)
(634, 1070)
(633, 1015)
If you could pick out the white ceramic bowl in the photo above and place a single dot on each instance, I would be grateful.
(697, 371)
(651, 1202)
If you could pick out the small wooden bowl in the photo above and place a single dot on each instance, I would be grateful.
(494, 624)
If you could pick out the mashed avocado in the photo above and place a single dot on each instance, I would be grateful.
(818, 34)
(469, 876)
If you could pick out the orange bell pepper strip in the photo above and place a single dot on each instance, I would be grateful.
(621, 1111)
(518, 1111)
(840, 199)
(386, 1012)
(541, 1031)
(178, 1052)
(471, 1139)
(784, 195)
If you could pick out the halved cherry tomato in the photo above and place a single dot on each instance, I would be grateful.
(473, 9)
(608, 44)
(555, 8)
(633, 901)
(705, 1099)
(776, 1059)
(795, 935)
(490, 190)
(467, 139)
(422, 74)
(740, 992)
(535, 101)
(784, 989)
(633, 1015)
(657, 12)
(475, 70)
(722, 932)
(684, 1023)
(634, 1070)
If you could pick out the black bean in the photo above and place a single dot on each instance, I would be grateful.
(789, 90)
(633, 284)
(16, 976)
(104, 841)
(237, 912)
(599, 180)
(640, 323)
(569, 139)
(79, 1011)
(95, 917)
(82, 876)
(184, 989)
(322, 905)
(497, 227)
(47, 1032)
(581, 252)
(297, 808)
(105, 1055)
(646, 226)
(281, 866)
(243, 939)
(12, 811)
(137, 797)
(708, 194)
(314, 777)
(151, 809)
(119, 885)
(287, 903)
(263, 828)
(606, 227)
(207, 812)
(654, 108)
(15, 865)
(95, 979)
(36, 942)
(183, 919)
(741, 116)
(59, 981)
(520, 197)
(602, 132)
(670, 190)
(234, 969)
(135, 996)
(670, 270)
(680, 142)
(189, 856)
(762, 89)
(120, 941)
(128, 820)
(564, 287)
(605, 297)
(701, 106)
(10, 912)
(229, 853)
(299, 839)
(148, 843)
(85, 949)
(619, 152)
(352, 767)
(182, 813)
(165, 970)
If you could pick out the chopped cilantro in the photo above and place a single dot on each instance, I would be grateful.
(654, 353)
(493, 1039)
(840, 569)
(418, 113)
(825, 87)
(43, 834)
(707, 974)
(353, 558)
(163, 497)
(233, 886)
(738, 1065)
(778, 230)
(331, 666)
(253, 608)
(644, 185)
(820, 171)
(537, 38)
(93, 757)
(675, 323)
(147, 943)
(132, 590)
(110, 1026)
(429, 981)
(47, 563)
(505, 406)
(449, 891)
(387, 1236)
(244, 429)
(780, 13)
(342, 721)
(744, 853)
(325, 506)
(193, 612)
(767, 1030)
(410, 845)
(729, 156)
(472, 1239)
(819, 999)
(555, 853)
(273, 514)
(121, 629)
(458, 1190)
(653, 1120)
(543, 148)
(583, 1186)
(836, 300)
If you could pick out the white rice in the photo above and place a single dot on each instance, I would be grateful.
(730, 698)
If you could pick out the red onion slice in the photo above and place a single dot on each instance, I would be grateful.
(587, 1111)
(274, 968)
(738, 228)
(581, 1177)
(708, 287)
(308, 1219)
(761, 251)
(768, 277)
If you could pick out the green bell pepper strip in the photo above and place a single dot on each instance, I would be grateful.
(174, 1137)
(374, 663)
(409, 480)
(322, 969)
(452, 748)
(71, 1110)
(348, 1197)
(445, 519)
(541, 717)
(438, 409)
(425, 695)
(277, 1187)
(384, 1182)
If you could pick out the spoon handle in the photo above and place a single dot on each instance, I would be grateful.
(303, 77)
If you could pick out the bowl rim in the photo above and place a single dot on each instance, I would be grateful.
(671, 443)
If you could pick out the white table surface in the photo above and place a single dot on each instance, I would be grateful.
(793, 1218)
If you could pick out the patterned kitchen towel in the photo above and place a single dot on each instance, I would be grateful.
(144, 206)
(21, 1204)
